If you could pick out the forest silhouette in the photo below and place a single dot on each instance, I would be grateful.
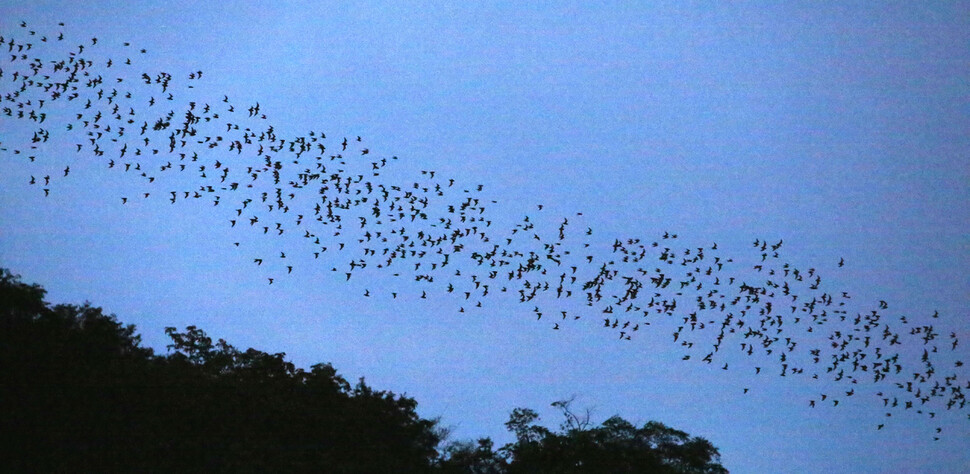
(81, 394)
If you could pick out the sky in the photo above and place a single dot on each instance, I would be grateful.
(838, 128)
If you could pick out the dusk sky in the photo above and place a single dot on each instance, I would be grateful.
(839, 128)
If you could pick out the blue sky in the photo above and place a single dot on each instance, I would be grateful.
(838, 127)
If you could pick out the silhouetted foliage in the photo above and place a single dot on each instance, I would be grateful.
(78, 393)
(616, 446)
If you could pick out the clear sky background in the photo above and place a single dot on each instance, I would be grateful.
(840, 127)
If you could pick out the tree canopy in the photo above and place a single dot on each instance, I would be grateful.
(79, 392)
(616, 446)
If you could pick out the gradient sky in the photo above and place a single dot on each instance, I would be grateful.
(840, 127)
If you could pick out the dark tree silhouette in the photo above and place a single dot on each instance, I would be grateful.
(79, 393)
(616, 446)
